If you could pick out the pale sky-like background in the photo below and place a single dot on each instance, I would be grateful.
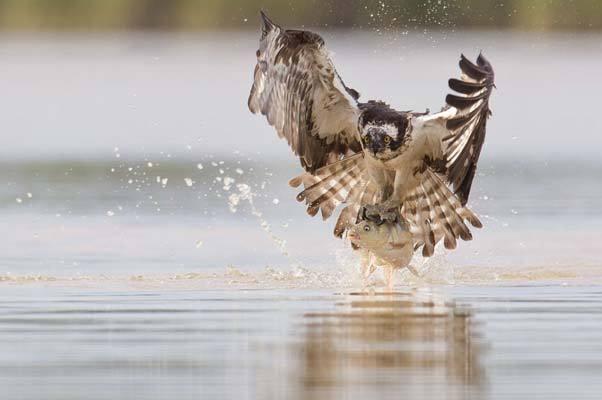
(83, 95)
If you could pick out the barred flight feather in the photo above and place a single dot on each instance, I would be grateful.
(298, 89)
(450, 202)
(469, 124)
(435, 213)
(332, 185)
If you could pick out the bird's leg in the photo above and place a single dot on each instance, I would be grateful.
(372, 212)
(388, 213)
(388, 210)
(380, 213)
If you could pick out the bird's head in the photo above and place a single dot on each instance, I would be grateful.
(384, 135)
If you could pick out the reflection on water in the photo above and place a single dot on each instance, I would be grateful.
(266, 344)
(411, 343)
(96, 342)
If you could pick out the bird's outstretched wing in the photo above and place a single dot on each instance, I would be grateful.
(300, 92)
(433, 211)
(463, 124)
(345, 181)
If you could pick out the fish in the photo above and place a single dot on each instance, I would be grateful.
(386, 244)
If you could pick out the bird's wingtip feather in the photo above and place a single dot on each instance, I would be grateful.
(266, 23)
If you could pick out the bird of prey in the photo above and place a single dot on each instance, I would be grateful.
(385, 165)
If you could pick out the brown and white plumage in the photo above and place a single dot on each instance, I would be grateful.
(298, 89)
(436, 214)
(433, 211)
(368, 154)
(463, 123)
(449, 142)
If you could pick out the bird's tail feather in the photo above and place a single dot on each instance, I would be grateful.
(436, 213)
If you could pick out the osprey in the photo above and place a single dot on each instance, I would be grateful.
(385, 165)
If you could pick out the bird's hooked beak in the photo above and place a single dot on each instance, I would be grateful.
(377, 143)
(375, 147)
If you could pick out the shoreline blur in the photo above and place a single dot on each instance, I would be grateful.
(186, 15)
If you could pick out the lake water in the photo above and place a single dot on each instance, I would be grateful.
(141, 340)
(133, 266)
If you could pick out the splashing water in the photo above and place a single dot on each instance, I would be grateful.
(228, 182)
(245, 193)
(434, 269)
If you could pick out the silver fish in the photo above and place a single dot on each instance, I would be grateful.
(388, 244)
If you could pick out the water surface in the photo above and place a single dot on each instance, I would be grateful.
(479, 342)
(150, 247)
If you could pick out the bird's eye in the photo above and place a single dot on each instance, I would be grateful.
(387, 139)
(366, 140)
(367, 228)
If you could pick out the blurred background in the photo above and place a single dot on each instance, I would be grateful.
(182, 15)
(138, 194)
(128, 148)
